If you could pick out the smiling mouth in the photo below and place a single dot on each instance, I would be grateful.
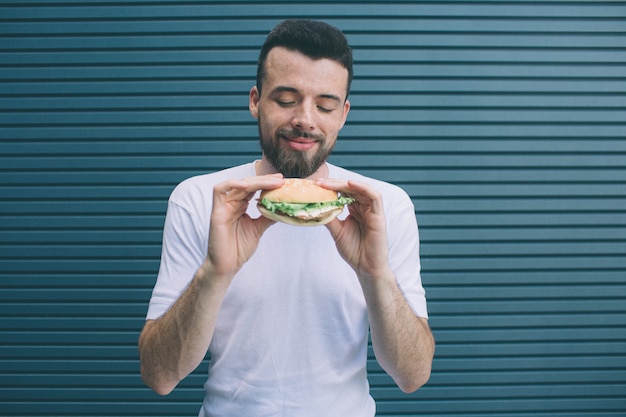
(299, 143)
(301, 139)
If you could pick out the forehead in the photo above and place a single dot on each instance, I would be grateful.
(287, 68)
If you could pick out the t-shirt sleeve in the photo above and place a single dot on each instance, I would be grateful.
(183, 252)
(404, 251)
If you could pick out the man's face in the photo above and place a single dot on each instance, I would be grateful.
(301, 109)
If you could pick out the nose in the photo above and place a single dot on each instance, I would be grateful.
(303, 118)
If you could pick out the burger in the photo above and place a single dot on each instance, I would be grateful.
(301, 202)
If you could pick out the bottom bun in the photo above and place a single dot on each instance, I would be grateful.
(296, 221)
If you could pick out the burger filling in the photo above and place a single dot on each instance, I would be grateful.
(305, 210)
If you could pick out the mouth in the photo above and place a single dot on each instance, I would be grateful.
(300, 144)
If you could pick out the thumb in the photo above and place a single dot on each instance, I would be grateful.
(334, 227)
(262, 223)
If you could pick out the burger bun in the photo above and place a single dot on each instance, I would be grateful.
(297, 190)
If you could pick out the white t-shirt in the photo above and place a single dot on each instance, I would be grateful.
(291, 337)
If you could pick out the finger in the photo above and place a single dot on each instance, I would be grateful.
(333, 184)
(345, 187)
(334, 227)
(244, 189)
(360, 191)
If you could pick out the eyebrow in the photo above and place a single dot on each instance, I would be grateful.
(288, 89)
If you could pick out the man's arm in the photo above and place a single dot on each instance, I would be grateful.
(172, 346)
(402, 341)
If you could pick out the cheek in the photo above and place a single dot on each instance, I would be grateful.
(335, 121)
(266, 128)
(272, 118)
(331, 129)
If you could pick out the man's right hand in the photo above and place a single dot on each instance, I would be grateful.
(234, 235)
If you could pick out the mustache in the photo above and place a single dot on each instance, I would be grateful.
(295, 133)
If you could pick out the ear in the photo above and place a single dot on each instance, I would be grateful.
(346, 110)
(253, 103)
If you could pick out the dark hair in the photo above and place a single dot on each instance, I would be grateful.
(312, 38)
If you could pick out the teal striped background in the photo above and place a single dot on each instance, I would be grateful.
(504, 120)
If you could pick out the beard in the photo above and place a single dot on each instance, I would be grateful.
(290, 163)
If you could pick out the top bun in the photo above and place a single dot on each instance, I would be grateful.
(298, 190)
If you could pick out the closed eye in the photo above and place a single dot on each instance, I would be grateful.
(285, 103)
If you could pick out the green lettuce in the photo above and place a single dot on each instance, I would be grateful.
(291, 208)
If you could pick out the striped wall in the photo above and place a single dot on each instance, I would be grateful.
(504, 120)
